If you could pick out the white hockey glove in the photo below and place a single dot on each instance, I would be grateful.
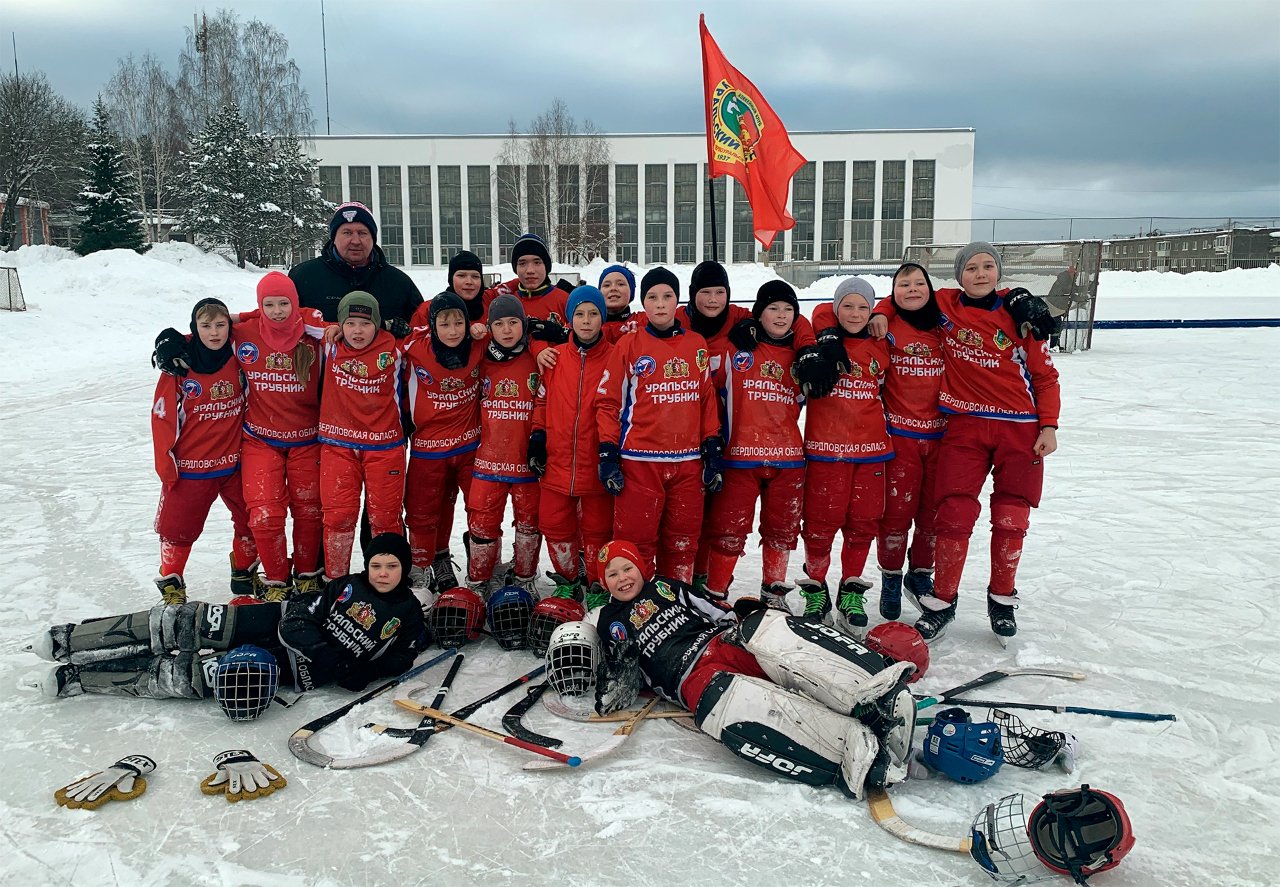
(122, 781)
(241, 776)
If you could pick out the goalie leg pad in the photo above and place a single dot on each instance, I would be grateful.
(818, 661)
(113, 637)
(786, 733)
(149, 677)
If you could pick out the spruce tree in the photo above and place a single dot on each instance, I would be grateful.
(107, 208)
(227, 184)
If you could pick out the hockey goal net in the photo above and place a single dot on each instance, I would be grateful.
(11, 291)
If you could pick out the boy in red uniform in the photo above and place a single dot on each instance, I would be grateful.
(280, 456)
(846, 443)
(443, 382)
(575, 512)
(195, 430)
(538, 296)
(618, 286)
(466, 281)
(360, 430)
(509, 382)
(1001, 391)
(659, 428)
(764, 452)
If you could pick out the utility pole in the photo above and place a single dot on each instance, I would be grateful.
(14, 34)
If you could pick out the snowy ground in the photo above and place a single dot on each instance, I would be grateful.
(1147, 568)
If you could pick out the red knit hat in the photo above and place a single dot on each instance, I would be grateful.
(624, 549)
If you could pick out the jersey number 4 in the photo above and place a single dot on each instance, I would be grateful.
(159, 409)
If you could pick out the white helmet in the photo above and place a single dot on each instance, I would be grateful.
(572, 655)
(1002, 845)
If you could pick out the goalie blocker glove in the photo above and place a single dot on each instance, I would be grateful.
(241, 777)
(1030, 313)
(122, 781)
(618, 678)
(611, 467)
(170, 354)
(712, 470)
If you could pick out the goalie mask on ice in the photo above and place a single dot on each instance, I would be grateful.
(573, 654)
(245, 682)
(509, 612)
(962, 750)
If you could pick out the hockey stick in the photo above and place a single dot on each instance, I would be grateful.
(552, 754)
(511, 720)
(299, 742)
(465, 712)
(610, 745)
(888, 819)
(1068, 709)
(619, 716)
(990, 678)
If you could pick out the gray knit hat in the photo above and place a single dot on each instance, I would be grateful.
(507, 306)
(854, 286)
(978, 247)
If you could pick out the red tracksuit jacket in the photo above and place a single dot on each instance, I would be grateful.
(548, 306)
(566, 409)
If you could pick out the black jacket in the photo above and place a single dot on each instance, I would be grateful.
(323, 281)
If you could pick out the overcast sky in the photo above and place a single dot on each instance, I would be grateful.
(1082, 108)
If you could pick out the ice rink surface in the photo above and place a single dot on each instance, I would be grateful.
(1151, 566)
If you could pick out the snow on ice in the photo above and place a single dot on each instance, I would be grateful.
(1147, 567)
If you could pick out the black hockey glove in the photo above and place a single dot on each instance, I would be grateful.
(538, 452)
(816, 376)
(397, 326)
(831, 347)
(745, 606)
(170, 354)
(1030, 313)
(712, 470)
(618, 678)
(566, 285)
(547, 331)
(743, 334)
(611, 467)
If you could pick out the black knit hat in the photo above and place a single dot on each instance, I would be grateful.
(530, 245)
(393, 544)
(352, 212)
(463, 260)
(707, 274)
(774, 291)
(655, 276)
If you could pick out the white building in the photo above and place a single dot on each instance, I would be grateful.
(862, 197)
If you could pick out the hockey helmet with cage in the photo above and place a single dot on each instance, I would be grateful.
(1080, 831)
(548, 614)
(962, 750)
(509, 610)
(999, 842)
(457, 618)
(901, 643)
(245, 681)
(572, 656)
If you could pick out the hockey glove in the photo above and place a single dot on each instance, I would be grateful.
(831, 347)
(538, 452)
(547, 331)
(745, 606)
(170, 354)
(618, 678)
(566, 285)
(712, 470)
(1030, 313)
(241, 776)
(611, 467)
(397, 326)
(122, 781)
(817, 378)
(742, 335)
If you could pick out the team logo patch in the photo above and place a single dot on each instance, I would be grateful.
(475, 373)
(743, 361)
(507, 388)
(346, 594)
(855, 371)
(618, 632)
(771, 369)
(349, 215)
(874, 366)
(423, 376)
(384, 360)
(278, 361)
(645, 365)
(642, 612)
(555, 318)
(221, 390)
(191, 388)
(389, 628)
(533, 383)
(602, 556)
(486, 386)
(701, 359)
(918, 349)
(247, 352)
(736, 125)
(452, 383)
(968, 337)
(362, 613)
(664, 590)
(676, 368)
(1002, 341)
(354, 368)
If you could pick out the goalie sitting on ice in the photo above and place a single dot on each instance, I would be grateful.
(783, 692)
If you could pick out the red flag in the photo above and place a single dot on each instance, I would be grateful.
(746, 140)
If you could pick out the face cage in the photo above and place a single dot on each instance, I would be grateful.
(245, 689)
(541, 625)
(509, 624)
(454, 626)
(571, 671)
(1002, 846)
(1028, 747)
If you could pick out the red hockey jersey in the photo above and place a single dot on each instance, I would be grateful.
(566, 409)
(719, 343)
(360, 405)
(548, 306)
(506, 418)
(848, 425)
(762, 407)
(283, 411)
(195, 423)
(444, 404)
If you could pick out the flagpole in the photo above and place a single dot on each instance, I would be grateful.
(711, 208)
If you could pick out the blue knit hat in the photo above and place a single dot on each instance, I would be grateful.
(624, 271)
(585, 293)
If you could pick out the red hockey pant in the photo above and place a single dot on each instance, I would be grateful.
(910, 497)
(183, 509)
(429, 499)
(972, 448)
(279, 480)
(486, 503)
(719, 656)
(660, 510)
(343, 472)
(572, 524)
(781, 495)
(844, 496)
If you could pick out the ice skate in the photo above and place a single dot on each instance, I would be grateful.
(443, 575)
(52, 644)
(890, 594)
(307, 583)
(935, 616)
(244, 582)
(817, 600)
(173, 590)
(1001, 615)
(276, 592)
(850, 613)
(775, 596)
(917, 584)
(61, 681)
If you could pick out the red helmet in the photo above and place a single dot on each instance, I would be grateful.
(901, 643)
(547, 615)
(457, 618)
(244, 600)
(1080, 831)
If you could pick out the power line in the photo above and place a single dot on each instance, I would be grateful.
(1136, 190)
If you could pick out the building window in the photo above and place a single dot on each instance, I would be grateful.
(892, 206)
(744, 246)
(596, 199)
(655, 212)
(713, 247)
(833, 214)
(450, 210)
(686, 221)
(626, 203)
(331, 184)
(568, 212)
(361, 182)
(802, 210)
(539, 197)
(863, 211)
(480, 212)
(391, 211)
(508, 208)
(420, 241)
(922, 179)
